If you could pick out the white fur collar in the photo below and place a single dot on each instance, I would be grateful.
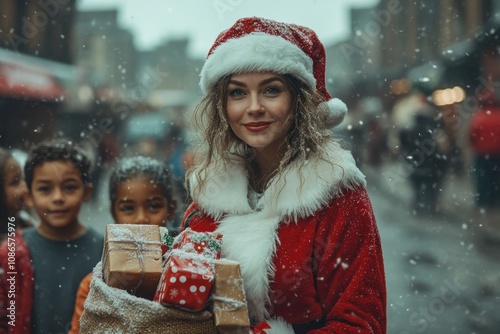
(227, 191)
(250, 235)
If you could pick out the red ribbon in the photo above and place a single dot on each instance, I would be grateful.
(259, 328)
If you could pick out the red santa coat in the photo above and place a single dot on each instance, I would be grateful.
(309, 249)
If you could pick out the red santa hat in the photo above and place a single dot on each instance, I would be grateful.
(256, 44)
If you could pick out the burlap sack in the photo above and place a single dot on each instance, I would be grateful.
(110, 310)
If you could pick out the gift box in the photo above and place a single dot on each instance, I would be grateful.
(229, 304)
(207, 244)
(186, 281)
(132, 258)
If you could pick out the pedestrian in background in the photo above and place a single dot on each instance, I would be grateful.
(424, 146)
(289, 201)
(484, 131)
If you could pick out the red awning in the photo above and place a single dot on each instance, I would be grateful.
(29, 83)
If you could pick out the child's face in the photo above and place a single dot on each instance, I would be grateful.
(140, 201)
(57, 193)
(15, 187)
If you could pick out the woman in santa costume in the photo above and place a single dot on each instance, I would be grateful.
(289, 201)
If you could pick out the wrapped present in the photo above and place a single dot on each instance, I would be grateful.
(207, 244)
(228, 299)
(186, 281)
(132, 258)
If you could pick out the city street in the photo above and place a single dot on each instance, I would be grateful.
(438, 279)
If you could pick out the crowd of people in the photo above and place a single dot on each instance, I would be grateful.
(433, 144)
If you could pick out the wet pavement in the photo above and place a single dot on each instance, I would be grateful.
(443, 273)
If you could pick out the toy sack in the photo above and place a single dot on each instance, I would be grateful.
(112, 310)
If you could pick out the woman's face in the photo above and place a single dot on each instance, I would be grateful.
(259, 107)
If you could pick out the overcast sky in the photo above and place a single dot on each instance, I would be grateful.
(153, 21)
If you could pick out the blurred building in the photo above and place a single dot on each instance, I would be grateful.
(36, 75)
(105, 51)
(176, 69)
(394, 37)
(169, 77)
(40, 28)
(434, 46)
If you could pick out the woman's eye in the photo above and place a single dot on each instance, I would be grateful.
(272, 91)
(236, 92)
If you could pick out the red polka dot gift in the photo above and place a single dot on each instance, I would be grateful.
(188, 273)
(186, 281)
(194, 278)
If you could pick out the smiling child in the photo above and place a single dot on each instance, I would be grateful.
(52, 258)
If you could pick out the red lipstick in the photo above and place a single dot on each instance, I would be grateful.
(256, 126)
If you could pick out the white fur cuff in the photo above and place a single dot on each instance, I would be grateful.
(279, 326)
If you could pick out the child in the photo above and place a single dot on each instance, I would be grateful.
(13, 192)
(52, 258)
(141, 192)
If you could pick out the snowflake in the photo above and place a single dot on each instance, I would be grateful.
(174, 293)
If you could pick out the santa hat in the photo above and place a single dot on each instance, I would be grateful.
(256, 44)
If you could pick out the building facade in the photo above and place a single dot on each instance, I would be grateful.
(394, 37)
(104, 51)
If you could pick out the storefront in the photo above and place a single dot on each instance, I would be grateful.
(31, 96)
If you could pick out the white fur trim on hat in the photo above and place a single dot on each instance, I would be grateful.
(256, 52)
(335, 111)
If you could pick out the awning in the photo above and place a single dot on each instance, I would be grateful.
(20, 81)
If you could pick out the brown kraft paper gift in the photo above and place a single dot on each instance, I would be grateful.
(229, 302)
(132, 258)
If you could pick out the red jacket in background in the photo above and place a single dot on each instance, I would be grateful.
(484, 129)
(16, 286)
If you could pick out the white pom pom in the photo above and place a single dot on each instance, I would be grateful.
(335, 109)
